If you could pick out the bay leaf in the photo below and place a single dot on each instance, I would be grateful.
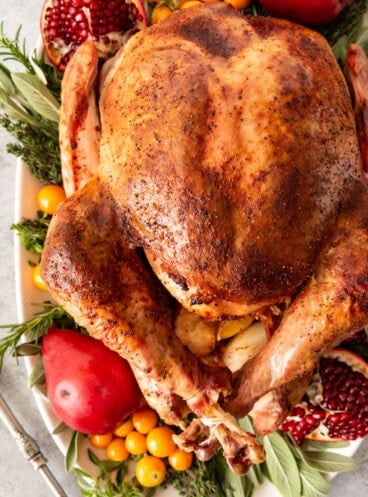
(37, 95)
(281, 465)
(329, 462)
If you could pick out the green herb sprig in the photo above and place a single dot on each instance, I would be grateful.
(32, 232)
(296, 471)
(33, 329)
(30, 101)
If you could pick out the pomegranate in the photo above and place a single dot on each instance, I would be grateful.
(66, 24)
(335, 407)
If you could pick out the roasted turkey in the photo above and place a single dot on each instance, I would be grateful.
(213, 163)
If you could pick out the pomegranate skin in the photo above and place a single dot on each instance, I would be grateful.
(91, 388)
(66, 24)
(335, 406)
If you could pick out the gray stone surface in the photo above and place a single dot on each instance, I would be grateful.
(17, 478)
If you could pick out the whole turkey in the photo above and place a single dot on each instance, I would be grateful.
(220, 166)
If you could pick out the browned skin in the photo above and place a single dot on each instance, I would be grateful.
(229, 155)
(356, 68)
(251, 143)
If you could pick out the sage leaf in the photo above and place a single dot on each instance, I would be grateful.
(324, 445)
(248, 487)
(13, 110)
(231, 484)
(60, 427)
(281, 465)
(27, 349)
(6, 83)
(313, 483)
(37, 376)
(329, 462)
(255, 475)
(37, 95)
(246, 424)
(35, 66)
(71, 455)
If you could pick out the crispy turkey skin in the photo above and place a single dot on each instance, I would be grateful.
(229, 171)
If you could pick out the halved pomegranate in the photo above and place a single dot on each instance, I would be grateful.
(66, 24)
(335, 406)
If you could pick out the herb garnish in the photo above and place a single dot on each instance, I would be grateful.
(33, 329)
(30, 104)
(32, 232)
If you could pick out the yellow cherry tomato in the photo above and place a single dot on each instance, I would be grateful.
(37, 279)
(159, 13)
(180, 460)
(116, 450)
(160, 441)
(50, 197)
(190, 3)
(239, 4)
(144, 420)
(150, 471)
(136, 443)
(125, 428)
(101, 441)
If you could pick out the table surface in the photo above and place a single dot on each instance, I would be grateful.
(17, 478)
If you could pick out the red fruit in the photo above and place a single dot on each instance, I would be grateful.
(335, 406)
(66, 24)
(318, 12)
(90, 387)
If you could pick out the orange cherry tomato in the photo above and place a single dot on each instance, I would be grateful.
(159, 13)
(189, 3)
(239, 4)
(160, 441)
(50, 197)
(136, 443)
(150, 471)
(125, 428)
(180, 460)
(144, 420)
(37, 279)
(116, 450)
(101, 441)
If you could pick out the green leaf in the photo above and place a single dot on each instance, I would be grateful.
(27, 349)
(60, 427)
(13, 110)
(313, 483)
(37, 376)
(37, 95)
(71, 455)
(246, 424)
(281, 465)
(324, 445)
(329, 462)
(255, 475)
(6, 83)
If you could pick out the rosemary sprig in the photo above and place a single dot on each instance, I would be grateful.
(32, 232)
(14, 49)
(34, 328)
